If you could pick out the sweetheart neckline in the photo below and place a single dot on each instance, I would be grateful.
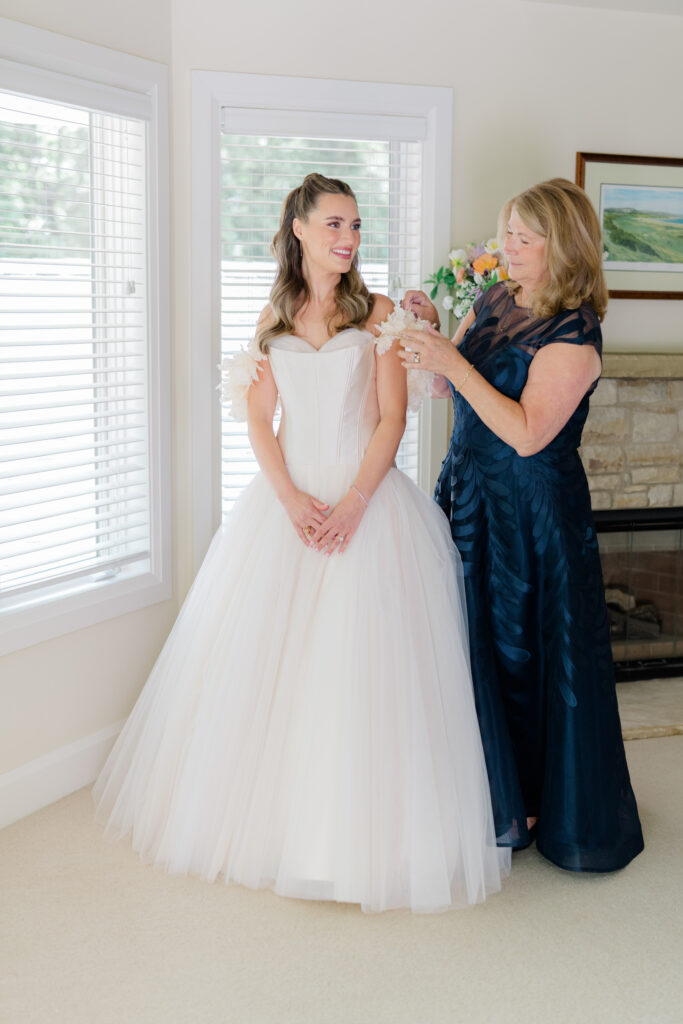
(361, 330)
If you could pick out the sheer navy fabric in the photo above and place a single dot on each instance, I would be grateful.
(541, 656)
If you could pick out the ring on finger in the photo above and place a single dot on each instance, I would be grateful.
(416, 357)
(309, 530)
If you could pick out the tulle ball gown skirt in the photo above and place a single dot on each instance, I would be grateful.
(309, 725)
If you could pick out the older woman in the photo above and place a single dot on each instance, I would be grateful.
(521, 368)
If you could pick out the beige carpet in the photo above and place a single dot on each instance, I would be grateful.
(651, 707)
(92, 936)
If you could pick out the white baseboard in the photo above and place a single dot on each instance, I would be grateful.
(41, 782)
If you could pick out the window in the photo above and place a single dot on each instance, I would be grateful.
(254, 137)
(82, 418)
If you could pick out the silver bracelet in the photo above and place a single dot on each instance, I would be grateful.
(361, 496)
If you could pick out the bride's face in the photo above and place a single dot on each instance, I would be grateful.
(331, 235)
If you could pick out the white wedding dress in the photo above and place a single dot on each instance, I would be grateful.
(310, 724)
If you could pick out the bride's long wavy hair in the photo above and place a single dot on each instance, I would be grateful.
(290, 291)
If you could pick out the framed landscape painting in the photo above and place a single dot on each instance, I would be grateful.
(639, 200)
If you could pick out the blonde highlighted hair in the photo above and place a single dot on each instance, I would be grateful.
(562, 214)
(290, 291)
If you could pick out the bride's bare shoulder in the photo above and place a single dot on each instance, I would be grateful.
(382, 306)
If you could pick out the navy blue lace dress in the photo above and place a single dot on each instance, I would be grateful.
(541, 656)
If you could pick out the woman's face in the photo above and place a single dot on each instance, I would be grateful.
(331, 235)
(525, 251)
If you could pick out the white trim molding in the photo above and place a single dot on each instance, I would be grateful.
(39, 783)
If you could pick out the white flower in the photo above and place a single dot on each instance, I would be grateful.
(491, 245)
(447, 302)
(458, 257)
(394, 325)
(478, 279)
(238, 373)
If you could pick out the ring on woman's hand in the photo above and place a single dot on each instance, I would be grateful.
(341, 538)
(309, 531)
(416, 357)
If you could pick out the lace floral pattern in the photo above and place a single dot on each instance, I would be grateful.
(419, 381)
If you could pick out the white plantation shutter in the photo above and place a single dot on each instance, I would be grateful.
(381, 158)
(83, 372)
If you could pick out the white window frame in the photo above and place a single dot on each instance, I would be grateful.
(211, 92)
(89, 75)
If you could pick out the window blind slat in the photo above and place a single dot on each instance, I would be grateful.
(75, 565)
(55, 482)
(78, 522)
(96, 498)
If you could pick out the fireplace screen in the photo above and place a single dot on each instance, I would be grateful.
(642, 564)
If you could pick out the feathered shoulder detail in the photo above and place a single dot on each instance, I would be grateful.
(238, 373)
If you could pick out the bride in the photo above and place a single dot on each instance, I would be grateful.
(309, 725)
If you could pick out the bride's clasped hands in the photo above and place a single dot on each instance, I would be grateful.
(335, 533)
(305, 512)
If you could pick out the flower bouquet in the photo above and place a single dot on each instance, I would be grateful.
(469, 272)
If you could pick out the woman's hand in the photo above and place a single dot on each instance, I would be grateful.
(306, 514)
(341, 524)
(423, 308)
(429, 350)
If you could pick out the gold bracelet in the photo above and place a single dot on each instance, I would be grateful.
(460, 386)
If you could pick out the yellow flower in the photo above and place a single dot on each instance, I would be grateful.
(484, 263)
(503, 274)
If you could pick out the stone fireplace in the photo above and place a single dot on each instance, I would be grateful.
(633, 439)
(633, 455)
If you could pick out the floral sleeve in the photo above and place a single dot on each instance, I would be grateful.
(238, 373)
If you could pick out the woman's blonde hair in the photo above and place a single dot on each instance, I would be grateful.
(290, 291)
(562, 213)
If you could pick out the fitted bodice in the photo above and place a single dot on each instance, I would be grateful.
(328, 397)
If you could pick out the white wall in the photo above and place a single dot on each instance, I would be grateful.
(61, 692)
(139, 27)
(532, 85)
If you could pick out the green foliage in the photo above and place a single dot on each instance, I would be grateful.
(258, 172)
(444, 275)
(44, 190)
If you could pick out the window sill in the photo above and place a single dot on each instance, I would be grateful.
(97, 602)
